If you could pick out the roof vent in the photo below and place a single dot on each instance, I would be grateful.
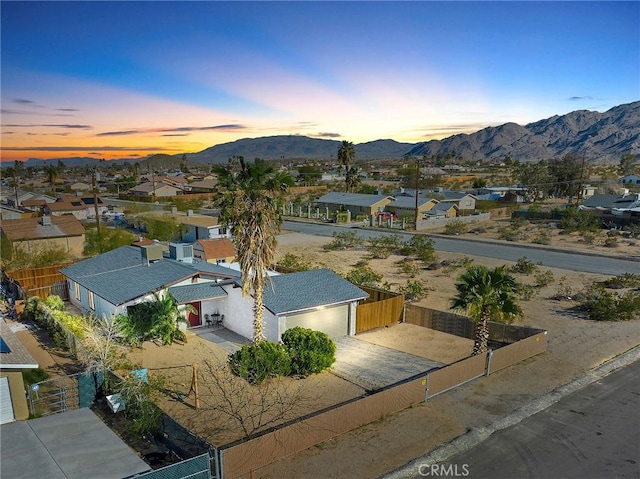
(45, 221)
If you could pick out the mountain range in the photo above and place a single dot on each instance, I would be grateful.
(594, 135)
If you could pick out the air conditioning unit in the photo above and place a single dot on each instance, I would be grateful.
(151, 254)
(45, 221)
(181, 252)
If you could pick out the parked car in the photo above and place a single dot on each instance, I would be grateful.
(386, 215)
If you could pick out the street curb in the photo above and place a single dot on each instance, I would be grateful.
(477, 435)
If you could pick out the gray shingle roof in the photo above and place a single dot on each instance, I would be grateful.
(409, 201)
(119, 275)
(351, 199)
(612, 201)
(18, 357)
(288, 293)
(196, 292)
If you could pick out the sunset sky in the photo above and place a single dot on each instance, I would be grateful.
(127, 79)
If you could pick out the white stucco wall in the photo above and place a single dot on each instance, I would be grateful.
(239, 317)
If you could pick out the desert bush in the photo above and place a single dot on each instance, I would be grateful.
(526, 292)
(455, 227)
(381, 247)
(625, 280)
(54, 302)
(364, 276)
(575, 219)
(259, 361)
(294, 262)
(524, 266)
(32, 376)
(414, 290)
(543, 278)
(611, 242)
(563, 290)
(589, 237)
(509, 234)
(603, 305)
(343, 240)
(309, 351)
(408, 266)
(420, 246)
(542, 237)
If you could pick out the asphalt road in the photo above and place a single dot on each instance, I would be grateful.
(591, 433)
(548, 258)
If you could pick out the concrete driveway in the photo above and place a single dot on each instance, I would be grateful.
(373, 367)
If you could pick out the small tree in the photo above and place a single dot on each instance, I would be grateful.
(364, 276)
(486, 294)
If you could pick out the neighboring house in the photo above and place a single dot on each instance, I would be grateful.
(82, 207)
(406, 205)
(201, 227)
(80, 187)
(219, 250)
(466, 202)
(588, 191)
(8, 196)
(620, 202)
(204, 186)
(630, 180)
(14, 358)
(108, 284)
(157, 189)
(442, 210)
(38, 234)
(357, 204)
(11, 213)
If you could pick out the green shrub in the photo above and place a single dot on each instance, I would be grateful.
(381, 247)
(364, 276)
(526, 292)
(343, 240)
(310, 351)
(611, 242)
(524, 266)
(625, 280)
(455, 227)
(408, 266)
(32, 376)
(563, 290)
(54, 303)
(420, 246)
(509, 234)
(544, 278)
(543, 237)
(257, 362)
(603, 305)
(414, 290)
(294, 262)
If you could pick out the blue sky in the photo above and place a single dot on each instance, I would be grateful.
(127, 79)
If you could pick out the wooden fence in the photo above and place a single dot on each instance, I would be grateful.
(240, 459)
(42, 281)
(380, 309)
(456, 374)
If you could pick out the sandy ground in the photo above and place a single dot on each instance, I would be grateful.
(575, 346)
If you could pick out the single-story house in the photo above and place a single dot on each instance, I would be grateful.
(204, 186)
(38, 234)
(442, 210)
(606, 201)
(357, 204)
(79, 186)
(158, 189)
(82, 207)
(630, 180)
(108, 284)
(465, 201)
(14, 358)
(406, 205)
(201, 227)
(12, 213)
(214, 250)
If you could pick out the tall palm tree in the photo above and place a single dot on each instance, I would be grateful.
(249, 209)
(346, 154)
(486, 294)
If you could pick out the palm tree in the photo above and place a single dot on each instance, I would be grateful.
(346, 154)
(51, 172)
(486, 294)
(249, 209)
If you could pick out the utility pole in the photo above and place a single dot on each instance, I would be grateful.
(95, 200)
(417, 192)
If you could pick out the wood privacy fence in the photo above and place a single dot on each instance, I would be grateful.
(380, 309)
(242, 458)
(42, 281)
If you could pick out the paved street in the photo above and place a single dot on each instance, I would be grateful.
(508, 252)
(592, 433)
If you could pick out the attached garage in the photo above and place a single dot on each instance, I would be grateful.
(332, 321)
(317, 299)
(6, 406)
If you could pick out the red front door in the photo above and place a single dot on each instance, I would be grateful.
(194, 318)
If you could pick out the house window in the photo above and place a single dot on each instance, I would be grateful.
(91, 302)
(467, 203)
(76, 290)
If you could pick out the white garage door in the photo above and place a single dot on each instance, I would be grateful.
(6, 407)
(332, 321)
